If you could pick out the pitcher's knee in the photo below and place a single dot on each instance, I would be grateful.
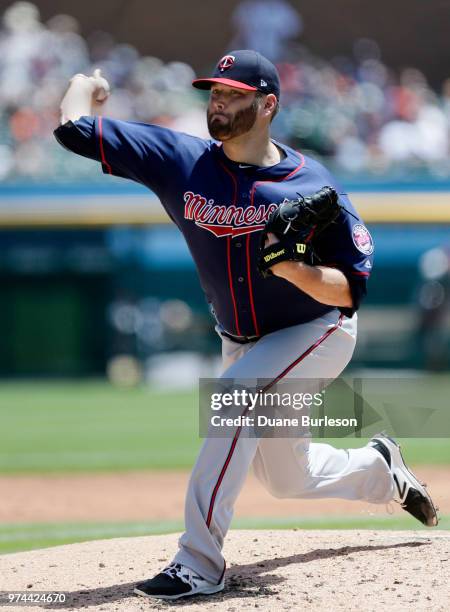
(271, 486)
(283, 490)
(278, 492)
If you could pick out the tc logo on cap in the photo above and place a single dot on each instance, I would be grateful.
(226, 62)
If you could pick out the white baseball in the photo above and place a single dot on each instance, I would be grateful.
(102, 88)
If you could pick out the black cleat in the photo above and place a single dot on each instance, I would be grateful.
(176, 581)
(410, 493)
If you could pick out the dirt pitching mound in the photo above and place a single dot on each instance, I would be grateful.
(269, 570)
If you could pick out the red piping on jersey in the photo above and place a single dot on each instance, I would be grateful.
(102, 152)
(284, 178)
(230, 278)
(252, 195)
(230, 281)
(360, 273)
(308, 351)
(250, 288)
(311, 234)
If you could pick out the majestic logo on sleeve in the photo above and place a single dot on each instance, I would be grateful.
(226, 62)
(362, 239)
(223, 220)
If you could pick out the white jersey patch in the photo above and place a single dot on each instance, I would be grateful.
(362, 239)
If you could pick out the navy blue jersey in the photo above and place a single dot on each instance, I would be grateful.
(221, 206)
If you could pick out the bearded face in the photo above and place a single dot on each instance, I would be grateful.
(225, 125)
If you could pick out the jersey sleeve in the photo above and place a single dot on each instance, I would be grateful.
(141, 152)
(347, 245)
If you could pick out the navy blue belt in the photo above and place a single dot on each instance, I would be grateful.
(239, 339)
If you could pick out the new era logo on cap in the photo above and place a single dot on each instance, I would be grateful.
(244, 69)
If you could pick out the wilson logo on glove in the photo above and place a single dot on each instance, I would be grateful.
(293, 220)
(271, 256)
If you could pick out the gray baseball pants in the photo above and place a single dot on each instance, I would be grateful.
(286, 467)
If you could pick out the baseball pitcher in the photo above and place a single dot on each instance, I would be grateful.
(283, 259)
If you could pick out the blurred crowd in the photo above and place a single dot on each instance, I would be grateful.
(353, 112)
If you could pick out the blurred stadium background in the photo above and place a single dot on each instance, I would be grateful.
(97, 286)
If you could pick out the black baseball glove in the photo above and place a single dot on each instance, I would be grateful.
(297, 223)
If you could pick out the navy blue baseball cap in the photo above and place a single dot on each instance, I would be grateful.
(244, 69)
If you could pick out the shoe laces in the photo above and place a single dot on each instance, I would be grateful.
(185, 574)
